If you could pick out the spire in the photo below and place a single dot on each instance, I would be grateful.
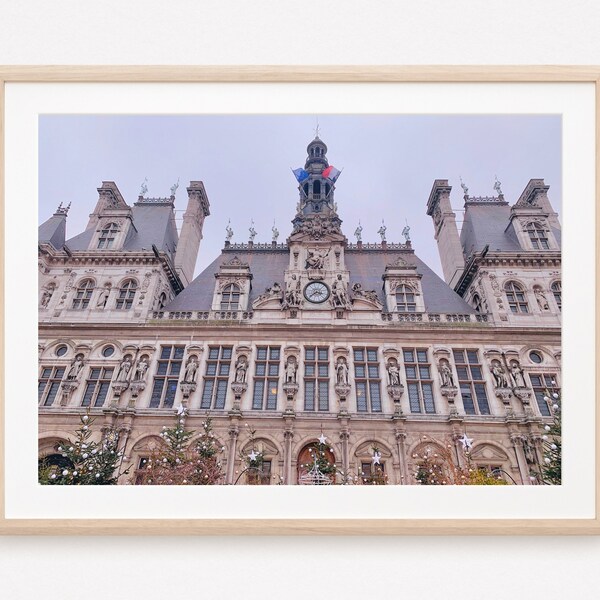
(316, 159)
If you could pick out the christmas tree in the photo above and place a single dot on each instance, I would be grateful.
(551, 470)
(85, 462)
(178, 462)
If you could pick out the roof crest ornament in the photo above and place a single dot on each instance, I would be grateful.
(63, 210)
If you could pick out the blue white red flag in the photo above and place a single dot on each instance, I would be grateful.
(300, 174)
(331, 173)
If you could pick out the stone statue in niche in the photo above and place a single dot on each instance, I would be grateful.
(393, 372)
(446, 374)
(191, 368)
(124, 368)
(541, 299)
(290, 370)
(46, 297)
(103, 298)
(241, 369)
(341, 371)
(517, 374)
(75, 368)
(141, 368)
(499, 375)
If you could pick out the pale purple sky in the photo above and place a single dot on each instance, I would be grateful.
(389, 162)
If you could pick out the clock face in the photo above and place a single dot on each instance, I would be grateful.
(316, 292)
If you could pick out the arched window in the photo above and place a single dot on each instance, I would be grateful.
(83, 293)
(477, 303)
(230, 298)
(556, 288)
(126, 295)
(405, 299)
(538, 237)
(107, 236)
(316, 189)
(516, 297)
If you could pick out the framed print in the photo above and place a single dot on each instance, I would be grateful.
(325, 300)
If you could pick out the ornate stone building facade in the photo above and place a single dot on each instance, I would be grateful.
(360, 342)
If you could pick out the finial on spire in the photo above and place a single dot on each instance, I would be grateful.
(464, 187)
(252, 231)
(144, 187)
(317, 129)
(174, 188)
(358, 232)
(497, 185)
(228, 231)
(381, 231)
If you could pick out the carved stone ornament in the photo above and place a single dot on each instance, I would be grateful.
(238, 388)
(523, 394)
(342, 390)
(291, 389)
(504, 394)
(119, 387)
(235, 262)
(136, 388)
(187, 388)
(67, 388)
(449, 392)
(318, 226)
(395, 392)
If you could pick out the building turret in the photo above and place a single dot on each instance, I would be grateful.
(191, 231)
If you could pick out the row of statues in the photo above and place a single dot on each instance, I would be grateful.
(251, 232)
(382, 232)
(514, 378)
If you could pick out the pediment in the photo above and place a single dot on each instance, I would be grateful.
(488, 452)
(366, 450)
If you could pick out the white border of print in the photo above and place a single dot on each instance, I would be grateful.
(26, 499)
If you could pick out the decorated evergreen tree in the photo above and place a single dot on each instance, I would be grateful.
(177, 462)
(551, 469)
(85, 462)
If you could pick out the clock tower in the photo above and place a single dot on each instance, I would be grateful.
(316, 280)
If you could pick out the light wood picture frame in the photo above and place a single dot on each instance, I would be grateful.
(362, 76)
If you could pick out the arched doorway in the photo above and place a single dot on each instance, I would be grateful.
(316, 465)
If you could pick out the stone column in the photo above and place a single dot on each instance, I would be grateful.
(233, 436)
(344, 438)
(517, 442)
(401, 445)
(288, 436)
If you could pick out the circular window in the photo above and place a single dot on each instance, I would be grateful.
(536, 357)
(61, 350)
(108, 351)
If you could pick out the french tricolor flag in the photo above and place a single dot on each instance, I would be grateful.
(331, 173)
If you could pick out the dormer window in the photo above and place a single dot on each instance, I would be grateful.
(107, 236)
(230, 298)
(537, 236)
(405, 299)
(515, 294)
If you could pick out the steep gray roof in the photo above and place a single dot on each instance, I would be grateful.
(154, 224)
(366, 268)
(53, 231)
(485, 224)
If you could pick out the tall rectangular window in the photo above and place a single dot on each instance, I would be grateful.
(543, 384)
(218, 367)
(367, 380)
(266, 378)
(418, 380)
(97, 386)
(167, 376)
(316, 378)
(471, 382)
(49, 384)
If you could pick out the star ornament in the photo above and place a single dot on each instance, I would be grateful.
(466, 442)
(322, 439)
(253, 456)
(376, 458)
